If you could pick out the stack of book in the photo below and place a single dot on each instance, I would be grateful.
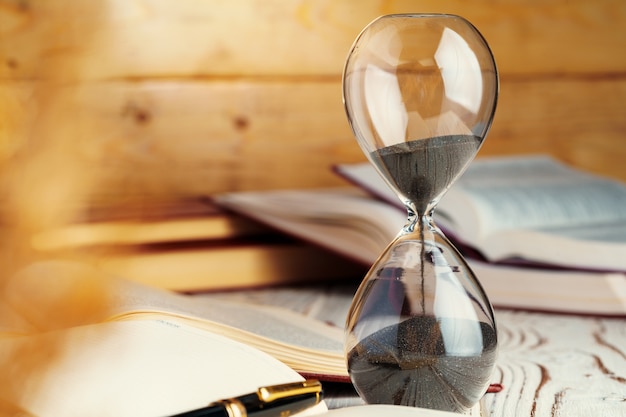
(540, 235)
(189, 245)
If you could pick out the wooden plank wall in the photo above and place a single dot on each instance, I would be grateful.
(171, 97)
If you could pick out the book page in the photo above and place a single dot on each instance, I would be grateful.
(607, 232)
(305, 344)
(543, 290)
(546, 205)
(328, 303)
(343, 220)
(535, 192)
(516, 192)
(269, 322)
(143, 368)
(527, 207)
(511, 246)
(297, 340)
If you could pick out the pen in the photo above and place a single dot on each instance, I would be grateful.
(272, 401)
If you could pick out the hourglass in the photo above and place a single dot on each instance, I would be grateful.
(420, 92)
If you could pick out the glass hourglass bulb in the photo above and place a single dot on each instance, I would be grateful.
(420, 92)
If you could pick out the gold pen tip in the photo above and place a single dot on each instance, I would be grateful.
(275, 392)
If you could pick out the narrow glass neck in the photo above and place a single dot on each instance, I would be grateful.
(420, 223)
(414, 210)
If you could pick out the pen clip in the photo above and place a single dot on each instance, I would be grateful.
(276, 392)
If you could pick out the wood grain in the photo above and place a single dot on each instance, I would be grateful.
(171, 97)
(197, 137)
(549, 365)
(554, 365)
(190, 38)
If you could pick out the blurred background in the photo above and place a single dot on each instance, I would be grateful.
(127, 108)
(132, 109)
(139, 109)
(162, 98)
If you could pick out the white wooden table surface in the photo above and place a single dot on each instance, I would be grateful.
(549, 365)
(558, 365)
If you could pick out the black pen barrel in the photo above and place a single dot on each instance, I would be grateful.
(213, 411)
(274, 401)
(285, 406)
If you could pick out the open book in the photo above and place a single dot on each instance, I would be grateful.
(138, 368)
(529, 209)
(352, 223)
(153, 353)
(304, 344)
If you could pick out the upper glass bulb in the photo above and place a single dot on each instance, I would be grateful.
(414, 78)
